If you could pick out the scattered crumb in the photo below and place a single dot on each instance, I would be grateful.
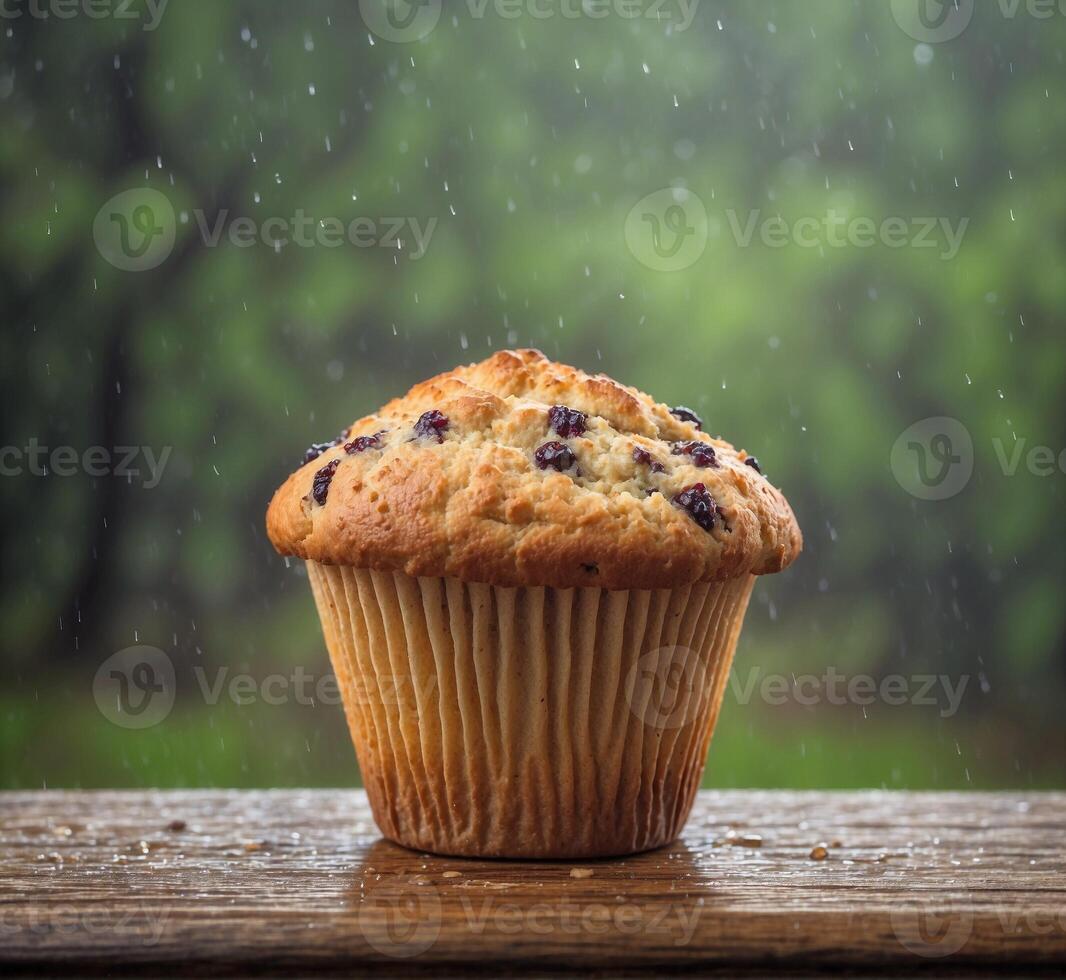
(836, 843)
(581, 872)
(819, 852)
(254, 845)
(452, 874)
(176, 826)
(746, 840)
(883, 857)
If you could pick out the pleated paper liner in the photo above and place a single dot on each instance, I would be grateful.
(528, 722)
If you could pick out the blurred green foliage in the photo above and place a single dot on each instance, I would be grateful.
(529, 140)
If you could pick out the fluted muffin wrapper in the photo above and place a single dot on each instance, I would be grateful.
(528, 722)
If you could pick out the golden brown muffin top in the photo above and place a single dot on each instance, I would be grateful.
(520, 471)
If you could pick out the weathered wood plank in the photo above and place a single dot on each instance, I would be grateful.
(301, 880)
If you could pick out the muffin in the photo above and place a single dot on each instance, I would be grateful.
(531, 581)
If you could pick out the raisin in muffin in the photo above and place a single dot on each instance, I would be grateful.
(531, 581)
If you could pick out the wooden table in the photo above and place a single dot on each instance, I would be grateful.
(291, 881)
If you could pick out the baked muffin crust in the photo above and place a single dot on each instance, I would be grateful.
(469, 476)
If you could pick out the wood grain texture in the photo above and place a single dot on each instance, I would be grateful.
(298, 881)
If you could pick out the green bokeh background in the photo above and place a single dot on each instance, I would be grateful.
(529, 139)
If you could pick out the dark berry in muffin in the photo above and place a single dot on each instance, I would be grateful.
(360, 444)
(566, 422)
(701, 453)
(701, 506)
(431, 425)
(687, 415)
(644, 458)
(555, 455)
(323, 478)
